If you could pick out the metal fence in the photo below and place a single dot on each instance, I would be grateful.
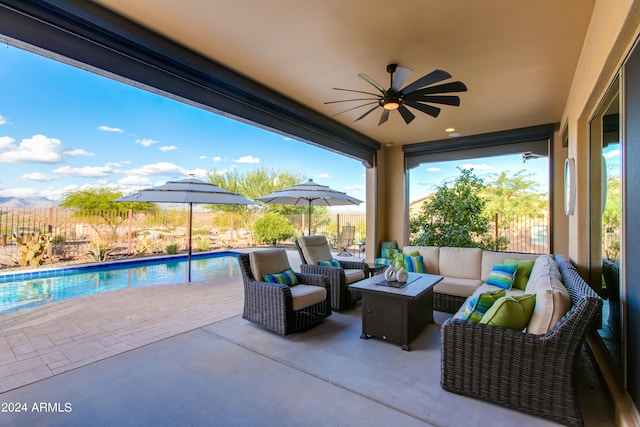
(131, 234)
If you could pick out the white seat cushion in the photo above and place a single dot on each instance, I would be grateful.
(552, 302)
(268, 261)
(314, 249)
(352, 275)
(307, 295)
(457, 287)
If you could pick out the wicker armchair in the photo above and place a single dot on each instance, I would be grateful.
(316, 248)
(531, 373)
(280, 308)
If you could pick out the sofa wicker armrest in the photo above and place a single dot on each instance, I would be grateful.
(536, 374)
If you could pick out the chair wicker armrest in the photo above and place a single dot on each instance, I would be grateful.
(313, 279)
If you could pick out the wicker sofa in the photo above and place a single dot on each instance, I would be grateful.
(533, 373)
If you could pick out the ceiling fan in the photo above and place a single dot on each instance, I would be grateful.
(419, 94)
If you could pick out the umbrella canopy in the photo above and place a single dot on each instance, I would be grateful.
(309, 194)
(190, 190)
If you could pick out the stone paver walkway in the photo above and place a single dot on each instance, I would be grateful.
(39, 342)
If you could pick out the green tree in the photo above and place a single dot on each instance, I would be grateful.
(452, 216)
(98, 203)
(254, 184)
(611, 217)
(272, 228)
(513, 195)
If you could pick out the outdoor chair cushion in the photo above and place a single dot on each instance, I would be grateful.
(306, 295)
(458, 287)
(315, 249)
(552, 303)
(352, 275)
(331, 263)
(268, 261)
(287, 277)
(461, 263)
(511, 312)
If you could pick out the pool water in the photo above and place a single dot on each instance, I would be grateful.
(24, 290)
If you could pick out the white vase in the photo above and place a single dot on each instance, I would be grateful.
(402, 275)
(390, 274)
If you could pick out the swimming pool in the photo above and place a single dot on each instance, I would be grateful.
(33, 288)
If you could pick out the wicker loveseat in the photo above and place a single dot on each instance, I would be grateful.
(531, 373)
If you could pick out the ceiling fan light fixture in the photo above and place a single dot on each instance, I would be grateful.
(391, 105)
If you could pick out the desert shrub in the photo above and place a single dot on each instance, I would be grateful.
(273, 227)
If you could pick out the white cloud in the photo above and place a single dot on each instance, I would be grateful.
(323, 175)
(247, 159)
(481, 166)
(36, 176)
(37, 149)
(146, 142)
(3, 120)
(161, 168)
(84, 172)
(125, 162)
(109, 129)
(203, 157)
(217, 159)
(610, 154)
(135, 181)
(433, 169)
(79, 152)
(355, 187)
(168, 148)
(20, 192)
(6, 143)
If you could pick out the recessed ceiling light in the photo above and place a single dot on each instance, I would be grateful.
(454, 134)
(389, 144)
(449, 129)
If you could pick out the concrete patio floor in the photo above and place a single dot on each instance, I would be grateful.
(182, 355)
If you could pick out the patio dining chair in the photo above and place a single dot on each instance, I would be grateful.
(314, 251)
(280, 305)
(345, 240)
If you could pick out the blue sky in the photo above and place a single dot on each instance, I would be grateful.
(63, 129)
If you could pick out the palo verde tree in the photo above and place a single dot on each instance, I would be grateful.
(452, 216)
(98, 203)
(257, 183)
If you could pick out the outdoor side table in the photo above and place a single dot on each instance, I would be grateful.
(375, 269)
(396, 314)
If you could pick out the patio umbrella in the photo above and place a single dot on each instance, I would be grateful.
(189, 191)
(309, 194)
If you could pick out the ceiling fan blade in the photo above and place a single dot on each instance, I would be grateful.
(365, 114)
(356, 107)
(407, 115)
(443, 88)
(356, 91)
(433, 77)
(384, 117)
(373, 82)
(434, 99)
(429, 109)
(400, 76)
(348, 100)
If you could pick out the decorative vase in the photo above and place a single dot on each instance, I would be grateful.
(390, 274)
(402, 275)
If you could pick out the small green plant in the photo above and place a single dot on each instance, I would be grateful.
(171, 248)
(143, 245)
(32, 248)
(201, 244)
(99, 250)
(273, 227)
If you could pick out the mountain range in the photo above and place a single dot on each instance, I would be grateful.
(26, 202)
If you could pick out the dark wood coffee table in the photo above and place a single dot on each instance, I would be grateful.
(396, 314)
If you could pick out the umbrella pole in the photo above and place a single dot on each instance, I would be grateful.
(190, 228)
(309, 217)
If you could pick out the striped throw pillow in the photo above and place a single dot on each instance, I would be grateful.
(502, 275)
(331, 263)
(287, 277)
(414, 264)
(479, 304)
(389, 252)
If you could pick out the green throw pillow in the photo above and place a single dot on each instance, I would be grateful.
(390, 252)
(331, 263)
(414, 264)
(479, 304)
(287, 277)
(512, 312)
(522, 273)
(502, 275)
